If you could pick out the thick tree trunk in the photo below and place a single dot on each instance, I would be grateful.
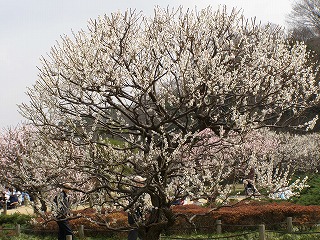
(152, 236)
(164, 218)
(152, 232)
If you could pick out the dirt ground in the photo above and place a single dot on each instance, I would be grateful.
(20, 209)
(29, 209)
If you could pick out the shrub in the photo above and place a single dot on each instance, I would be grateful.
(249, 213)
(90, 219)
(15, 218)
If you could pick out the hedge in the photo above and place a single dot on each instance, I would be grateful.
(272, 214)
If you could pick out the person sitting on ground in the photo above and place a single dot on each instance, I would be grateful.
(249, 188)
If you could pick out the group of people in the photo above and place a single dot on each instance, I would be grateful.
(281, 193)
(13, 198)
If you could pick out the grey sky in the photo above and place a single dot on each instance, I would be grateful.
(28, 28)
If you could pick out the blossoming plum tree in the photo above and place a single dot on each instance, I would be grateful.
(135, 91)
(268, 158)
(36, 165)
(272, 158)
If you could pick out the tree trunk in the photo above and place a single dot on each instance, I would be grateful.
(151, 232)
(44, 207)
(160, 221)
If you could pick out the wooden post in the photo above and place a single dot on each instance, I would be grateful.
(289, 225)
(5, 209)
(18, 231)
(69, 237)
(262, 232)
(81, 232)
(219, 226)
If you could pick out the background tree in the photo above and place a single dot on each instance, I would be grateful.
(272, 159)
(305, 18)
(304, 25)
(153, 84)
(33, 164)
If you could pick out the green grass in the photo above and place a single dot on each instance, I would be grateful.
(310, 195)
(51, 237)
(274, 236)
(237, 236)
(27, 237)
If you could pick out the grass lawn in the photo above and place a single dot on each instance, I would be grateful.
(236, 236)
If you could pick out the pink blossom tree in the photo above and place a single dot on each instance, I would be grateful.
(270, 159)
(32, 163)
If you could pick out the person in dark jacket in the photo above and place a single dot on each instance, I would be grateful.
(137, 214)
(62, 211)
(13, 201)
(249, 188)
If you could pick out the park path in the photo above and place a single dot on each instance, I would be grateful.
(20, 209)
(29, 209)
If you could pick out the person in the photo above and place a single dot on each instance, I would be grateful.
(179, 201)
(7, 193)
(136, 214)
(284, 193)
(13, 201)
(3, 200)
(132, 217)
(25, 198)
(62, 211)
(249, 188)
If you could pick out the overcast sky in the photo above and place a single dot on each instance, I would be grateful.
(28, 28)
